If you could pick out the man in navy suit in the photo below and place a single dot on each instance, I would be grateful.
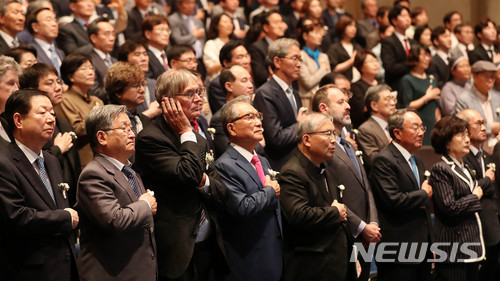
(36, 241)
(251, 222)
(42, 24)
(279, 102)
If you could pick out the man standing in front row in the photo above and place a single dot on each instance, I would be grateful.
(172, 160)
(313, 217)
(117, 213)
(402, 196)
(251, 222)
(36, 241)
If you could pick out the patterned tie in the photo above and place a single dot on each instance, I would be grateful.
(414, 169)
(43, 176)
(130, 174)
(107, 61)
(258, 166)
(291, 99)
(351, 155)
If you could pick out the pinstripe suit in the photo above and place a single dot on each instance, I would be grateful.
(457, 219)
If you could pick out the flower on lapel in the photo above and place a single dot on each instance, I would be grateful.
(273, 174)
(427, 174)
(497, 111)
(473, 172)
(492, 166)
(152, 193)
(359, 154)
(342, 188)
(73, 135)
(211, 131)
(209, 159)
(64, 188)
(431, 78)
(355, 131)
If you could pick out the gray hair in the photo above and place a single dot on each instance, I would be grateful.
(228, 111)
(311, 123)
(173, 82)
(279, 48)
(8, 63)
(4, 4)
(397, 119)
(373, 94)
(99, 119)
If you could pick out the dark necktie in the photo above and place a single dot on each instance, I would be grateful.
(43, 176)
(130, 174)
(351, 155)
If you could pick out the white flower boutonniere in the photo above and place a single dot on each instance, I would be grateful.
(431, 78)
(64, 188)
(497, 111)
(355, 131)
(73, 135)
(427, 174)
(211, 131)
(359, 154)
(341, 188)
(273, 174)
(209, 159)
(492, 166)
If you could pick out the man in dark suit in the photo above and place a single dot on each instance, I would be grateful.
(37, 241)
(251, 220)
(402, 196)
(11, 23)
(273, 27)
(280, 103)
(231, 8)
(478, 161)
(156, 30)
(396, 47)
(182, 56)
(369, 23)
(73, 36)
(174, 162)
(486, 33)
(44, 77)
(233, 52)
(135, 17)
(314, 231)
(440, 63)
(373, 135)
(42, 24)
(331, 16)
(117, 212)
(347, 168)
(102, 36)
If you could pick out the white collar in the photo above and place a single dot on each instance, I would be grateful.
(444, 56)
(406, 153)
(44, 45)
(282, 83)
(155, 51)
(119, 165)
(381, 122)
(8, 39)
(245, 153)
(30, 154)
(101, 54)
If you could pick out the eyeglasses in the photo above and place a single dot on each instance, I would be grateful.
(389, 99)
(417, 127)
(167, 30)
(327, 133)
(480, 123)
(191, 93)
(193, 60)
(250, 117)
(138, 86)
(294, 59)
(126, 128)
(464, 135)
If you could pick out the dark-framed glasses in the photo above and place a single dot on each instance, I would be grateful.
(126, 128)
(190, 94)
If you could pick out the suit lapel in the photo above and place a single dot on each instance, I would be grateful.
(119, 177)
(319, 181)
(398, 44)
(458, 172)
(41, 55)
(379, 131)
(404, 164)
(245, 165)
(471, 161)
(280, 94)
(342, 155)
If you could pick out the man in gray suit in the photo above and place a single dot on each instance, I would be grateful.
(369, 23)
(117, 213)
(11, 23)
(347, 167)
(186, 28)
(373, 134)
(479, 97)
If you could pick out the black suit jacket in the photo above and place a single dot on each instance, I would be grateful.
(134, 23)
(279, 122)
(315, 238)
(36, 241)
(440, 70)
(4, 48)
(479, 53)
(155, 66)
(403, 208)
(174, 171)
(74, 39)
(490, 216)
(337, 54)
(203, 126)
(100, 71)
(258, 52)
(393, 57)
(216, 95)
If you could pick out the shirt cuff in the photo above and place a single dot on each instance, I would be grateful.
(188, 136)
(360, 229)
(207, 184)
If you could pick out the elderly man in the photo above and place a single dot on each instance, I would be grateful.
(279, 102)
(373, 134)
(37, 238)
(237, 82)
(11, 23)
(479, 162)
(117, 213)
(174, 161)
(347, 168)
(313, 216)
(252, 210)
(402, 196)
(9, 82)
(479, 97)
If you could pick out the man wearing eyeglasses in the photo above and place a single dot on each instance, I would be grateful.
(182, 56)
(479, 161)
(117, 212)
(347, 167)
(251, 221)
(402, 195)
(175, 162)
(279, 102)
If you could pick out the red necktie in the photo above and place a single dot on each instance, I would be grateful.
(164, 62)
(194, 123)
(407, 49)
(258, 167)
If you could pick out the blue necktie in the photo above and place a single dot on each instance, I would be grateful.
(291, 99)
(54, 58)
(43, 176)
(414, 169)
(129, 173)
(351, 155)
